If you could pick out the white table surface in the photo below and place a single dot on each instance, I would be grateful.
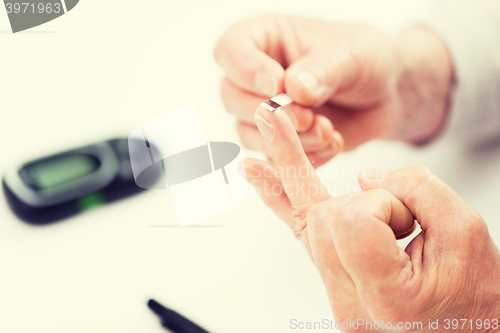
(100, 71)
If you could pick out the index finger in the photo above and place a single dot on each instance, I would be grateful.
(240, 52)
(300, 182)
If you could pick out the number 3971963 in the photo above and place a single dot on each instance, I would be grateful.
(27, 7)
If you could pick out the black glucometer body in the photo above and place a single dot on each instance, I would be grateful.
(58, 186)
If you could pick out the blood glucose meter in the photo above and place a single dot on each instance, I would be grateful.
(64, 184)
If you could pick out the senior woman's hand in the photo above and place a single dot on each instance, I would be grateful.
(345, 78)
(449, 273)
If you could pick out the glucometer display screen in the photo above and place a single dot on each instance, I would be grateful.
(57, 171)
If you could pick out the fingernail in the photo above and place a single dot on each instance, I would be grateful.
(266, 84)
(309, 81)
(291, 115)
(266, 129)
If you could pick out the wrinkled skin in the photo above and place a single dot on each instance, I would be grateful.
(351, 82)
(451, 270)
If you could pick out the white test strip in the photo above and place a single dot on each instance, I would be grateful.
(277, 102)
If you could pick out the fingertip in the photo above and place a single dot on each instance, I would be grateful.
(277, 119)
(296, 89)
(368, 179)
(268, 81)
(241, 168)
(304, 115)
(324, 122)
(377, 173)
(319, 134)
(312, 79)
(253, 169)
(329, 134)
(322, 157)
(326, 128)
(261, 111)
(362, 181)
(313, 137)
(291, 115)
(339, 140)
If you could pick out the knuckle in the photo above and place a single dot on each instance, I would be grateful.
(310, 213)
(224, 49)
(220, 49)
(297, 233)
(349, 215)
(248, 143)
(225, 92)
(415, 177)
(322, 212)
(381, 192)
(302, 96)
(335, 211)
(473, 225)
(316, 213)
(421, 171)
(300, 217)
(240, 128)
(242, 133)
(217, 52)
(304, 115)
(245, 142)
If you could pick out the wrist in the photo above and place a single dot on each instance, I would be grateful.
(484, 307)
(424, 84)
(488, 316)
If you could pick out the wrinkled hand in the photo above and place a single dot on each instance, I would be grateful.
(365, 82)
(451, 270)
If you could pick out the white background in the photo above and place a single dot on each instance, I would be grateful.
(100, 71)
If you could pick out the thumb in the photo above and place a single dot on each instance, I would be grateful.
(429, 199)
(313, 79)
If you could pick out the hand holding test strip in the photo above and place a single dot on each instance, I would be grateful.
(277, 102)
(347, 81)
(317, 159)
